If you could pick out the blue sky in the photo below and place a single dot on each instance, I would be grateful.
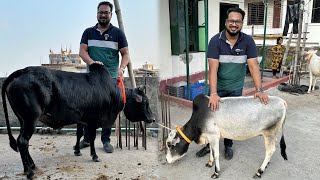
(28, 29)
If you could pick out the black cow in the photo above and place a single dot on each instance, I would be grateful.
(59, 98)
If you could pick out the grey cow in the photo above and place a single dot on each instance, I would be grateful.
(238, 118)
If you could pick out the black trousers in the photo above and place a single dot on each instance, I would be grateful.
(292, 16)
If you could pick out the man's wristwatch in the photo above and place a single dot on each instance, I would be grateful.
(260, 89)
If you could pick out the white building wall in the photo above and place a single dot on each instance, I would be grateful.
(174, 66)
(164, 41)
(259, 29)
(313, 28)
(313, 36)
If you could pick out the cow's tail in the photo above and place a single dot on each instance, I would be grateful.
(7, 81)
(282, 141)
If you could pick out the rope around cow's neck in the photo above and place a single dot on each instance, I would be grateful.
(183, 135)
(309, 59)
(164, 126)
(121, 84)
(179, 131)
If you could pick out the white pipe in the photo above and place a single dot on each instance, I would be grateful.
(75, 129)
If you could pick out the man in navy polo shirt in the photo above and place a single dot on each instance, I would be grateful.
(228, 53)
(102, 44)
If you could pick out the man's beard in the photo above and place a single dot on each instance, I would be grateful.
(103, 23)
(233, 33)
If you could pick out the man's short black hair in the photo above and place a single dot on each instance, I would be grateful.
(236, 9)
(107, 3)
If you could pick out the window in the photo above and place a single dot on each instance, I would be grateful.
(255, 13)
(178, 26)
(315, 12)
(276, 14)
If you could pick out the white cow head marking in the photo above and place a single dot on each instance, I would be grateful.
(309, 54)
(174, 149)
(172, 140)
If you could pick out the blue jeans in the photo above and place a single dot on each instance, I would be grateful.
(224, 93)
(105, 133)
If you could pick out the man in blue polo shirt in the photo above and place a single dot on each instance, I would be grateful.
(102, 44)
(228, 53)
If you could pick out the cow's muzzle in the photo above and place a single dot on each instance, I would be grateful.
(150, 120)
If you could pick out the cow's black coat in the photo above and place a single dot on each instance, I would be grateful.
(59, 98)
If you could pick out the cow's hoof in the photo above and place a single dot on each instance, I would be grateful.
(95, 159)
(215, 175)
(77, 153)
(257, 176)
(209, 165)
(30, 174)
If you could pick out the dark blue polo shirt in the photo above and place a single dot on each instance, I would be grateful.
(232, 60)
(105, 46)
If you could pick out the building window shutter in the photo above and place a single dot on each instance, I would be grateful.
(177, 26)
(276, 14)
(315, 12)
(255, 13)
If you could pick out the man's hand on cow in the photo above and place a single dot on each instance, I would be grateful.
(97, 62)
(214, 102)
(262, 96)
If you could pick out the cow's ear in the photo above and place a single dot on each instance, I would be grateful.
(138, 98)
(141, 88)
